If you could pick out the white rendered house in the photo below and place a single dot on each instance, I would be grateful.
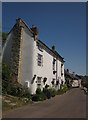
(32, 62)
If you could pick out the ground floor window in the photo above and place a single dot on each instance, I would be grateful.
(39, 82)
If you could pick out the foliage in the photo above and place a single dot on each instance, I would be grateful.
(51, 92)
(11, 102)
(38, 91)
(39, 96)
(84, 81)
(6, 75)
(11, 87)
(47, 92)
(17, 90)
(4, 36)
(64, 87)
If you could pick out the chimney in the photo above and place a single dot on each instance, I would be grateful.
(68, 70)
(18, 20)
(34, 29)
(53, 48)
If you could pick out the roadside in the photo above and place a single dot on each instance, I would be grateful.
(72, 104)
(11, 102)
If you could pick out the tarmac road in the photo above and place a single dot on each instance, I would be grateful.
(69, 105)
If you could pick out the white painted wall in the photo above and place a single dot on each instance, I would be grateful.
(46, 70)
(26, 70)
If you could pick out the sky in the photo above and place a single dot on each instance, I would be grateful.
(62, 24)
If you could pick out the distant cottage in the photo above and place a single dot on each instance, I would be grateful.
(32, 63)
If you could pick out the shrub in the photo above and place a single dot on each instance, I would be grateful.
(63, 89)
(51, 92)
(39, 96)
(47, 92)
(38, 91)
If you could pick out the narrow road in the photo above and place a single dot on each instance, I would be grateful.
(69, 105)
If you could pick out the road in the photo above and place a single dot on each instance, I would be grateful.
(69, 105)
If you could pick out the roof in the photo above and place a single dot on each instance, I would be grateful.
(74, 77)
(23, 23)
(54, 52)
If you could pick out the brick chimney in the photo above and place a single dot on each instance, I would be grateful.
(35, 31)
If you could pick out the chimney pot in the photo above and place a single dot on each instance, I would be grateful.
(53, 48)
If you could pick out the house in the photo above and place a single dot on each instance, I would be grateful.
(31, 61)
(73, 80)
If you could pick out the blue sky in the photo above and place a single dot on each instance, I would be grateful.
(60, 24)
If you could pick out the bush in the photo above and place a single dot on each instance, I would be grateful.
(39, 96)
(63, 89)
(47, 92)
(38, 91)
(51, 92)
(6, 75)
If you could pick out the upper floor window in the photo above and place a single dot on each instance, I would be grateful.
(54, 64)
(40, 60)
(61, 69)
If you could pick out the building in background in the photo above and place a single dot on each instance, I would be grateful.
(32, 63)
(72, 79)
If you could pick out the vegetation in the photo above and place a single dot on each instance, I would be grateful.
(84, 81)
(4, 36)
(47, 93)
(11, 102)
(14, 93)
(12, 87)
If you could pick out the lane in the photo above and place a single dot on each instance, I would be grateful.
(69, 105)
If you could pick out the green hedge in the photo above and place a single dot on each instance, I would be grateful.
(46, 93)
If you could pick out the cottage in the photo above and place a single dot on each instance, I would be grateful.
(32, 62)
(73, 80)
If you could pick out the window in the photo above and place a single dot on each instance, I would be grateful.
(40, 60)
(61, 69)
(39, 82)
(54, 64)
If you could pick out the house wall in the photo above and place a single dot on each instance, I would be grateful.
(46, 70)
(26, 67)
